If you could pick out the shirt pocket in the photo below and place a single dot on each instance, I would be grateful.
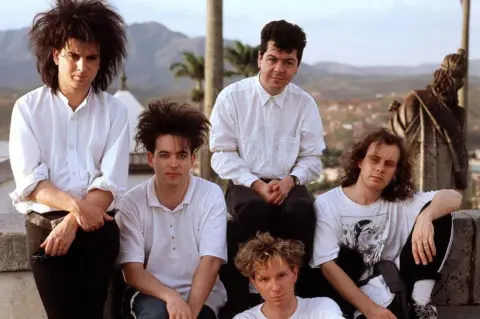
(288, 149)
(251, 147)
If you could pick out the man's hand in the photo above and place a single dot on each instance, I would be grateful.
(262, 188)
(423, 246)
(280, 189)
(177, 307)
(88, 215)
(379, 312)
(61, 237)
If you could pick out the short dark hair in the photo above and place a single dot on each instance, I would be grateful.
(401, 187)
(86, 21)
(286, 36)
(164, 117)
(262, 250)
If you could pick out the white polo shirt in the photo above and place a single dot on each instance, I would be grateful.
(171, 242)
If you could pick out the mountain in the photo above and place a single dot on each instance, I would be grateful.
(153, 48)
(347, 69)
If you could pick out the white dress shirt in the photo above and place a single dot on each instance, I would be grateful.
(171, 242)
(255, 135)
(77, 151)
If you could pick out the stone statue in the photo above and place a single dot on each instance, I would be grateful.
(431, 122)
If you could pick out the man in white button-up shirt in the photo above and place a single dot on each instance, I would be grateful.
(267, 139)
(173, 226)
(69, 155)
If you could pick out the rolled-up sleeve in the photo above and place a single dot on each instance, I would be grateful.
(114, 166)
(213, 230)
(24, 153)
(132, 239)
(309, 165)
(226, 161)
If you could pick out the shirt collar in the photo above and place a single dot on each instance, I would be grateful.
(64, 99)
(278, 99)
(152, 199)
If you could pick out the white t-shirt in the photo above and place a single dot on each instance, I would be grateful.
(379, 231)
(173, 241)
(311, 308)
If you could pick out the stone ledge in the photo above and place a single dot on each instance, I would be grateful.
(13, 254)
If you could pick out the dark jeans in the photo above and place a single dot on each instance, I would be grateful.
(74, 285)
(141, 306)
(294, 219)
(409, 271)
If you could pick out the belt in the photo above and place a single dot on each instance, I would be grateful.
(42, 221)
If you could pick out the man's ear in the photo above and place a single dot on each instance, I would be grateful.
(150, 156)
(55, 54)
(259, 59)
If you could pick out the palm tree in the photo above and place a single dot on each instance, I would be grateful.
(214, 71)
(243, 58)
(193, 68)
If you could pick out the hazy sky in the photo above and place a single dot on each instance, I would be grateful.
(360, 32)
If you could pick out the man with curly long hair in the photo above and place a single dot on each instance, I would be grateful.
(376, 212)
(266, 139)
(173, 226)
(272, 264)
(69, 155)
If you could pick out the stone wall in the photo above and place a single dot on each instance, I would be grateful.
(457, 293)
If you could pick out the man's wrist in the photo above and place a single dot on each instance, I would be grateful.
(426, 213)
(295, 180)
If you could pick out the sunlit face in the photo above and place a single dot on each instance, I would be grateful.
(276, 283)
(171, 161)
(379, 166)
(277, 68)
(78, 63)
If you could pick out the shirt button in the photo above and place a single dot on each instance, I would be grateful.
(173, 237)
(170, 225)
(173, 248)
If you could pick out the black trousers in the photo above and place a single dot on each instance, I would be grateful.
(74, 285)
(409, 271)
(294, 219)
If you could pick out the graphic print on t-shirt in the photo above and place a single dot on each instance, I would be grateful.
(368, 235)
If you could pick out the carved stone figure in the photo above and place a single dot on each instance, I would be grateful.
(431, 121)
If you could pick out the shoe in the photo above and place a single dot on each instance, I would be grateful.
(428, 311)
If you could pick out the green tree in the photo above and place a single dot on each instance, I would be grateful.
(192, 67)
(243, 58)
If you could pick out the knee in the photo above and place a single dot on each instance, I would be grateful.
(148, 307)
(252, 211)
(300, 209)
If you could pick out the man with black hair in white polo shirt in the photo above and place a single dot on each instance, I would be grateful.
(172, 227)
(267, 138)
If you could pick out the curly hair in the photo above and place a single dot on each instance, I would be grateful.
(456, 63)
(261, 251)
(402, 186)
(84, 20)
(169, 118)
(286, 36)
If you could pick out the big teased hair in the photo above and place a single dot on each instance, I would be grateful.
(286, 36)
(165, 117)
(402, 186)
(260, 252)
(87, 21)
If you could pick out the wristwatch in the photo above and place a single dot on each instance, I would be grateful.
(296, 181)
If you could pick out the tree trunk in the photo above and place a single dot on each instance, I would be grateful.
(213, 72)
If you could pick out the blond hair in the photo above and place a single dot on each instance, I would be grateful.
(260, 252)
